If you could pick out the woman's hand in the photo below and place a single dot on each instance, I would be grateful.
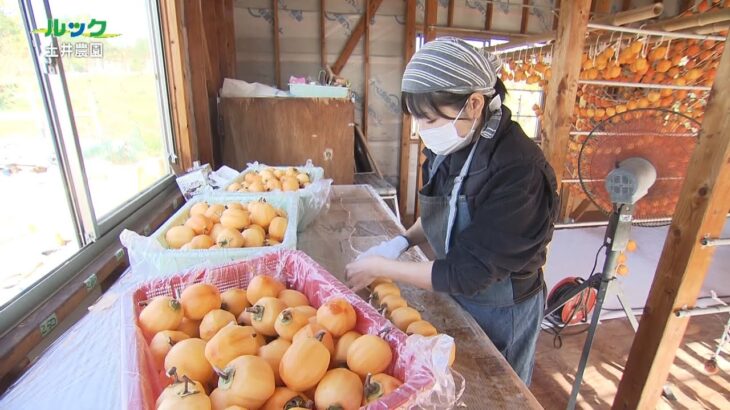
(363, 271)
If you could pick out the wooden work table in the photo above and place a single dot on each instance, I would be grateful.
(83, 371)
(358, 219)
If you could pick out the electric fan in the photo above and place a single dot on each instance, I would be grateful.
(631, 166)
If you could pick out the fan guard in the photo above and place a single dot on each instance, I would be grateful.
(664, 138)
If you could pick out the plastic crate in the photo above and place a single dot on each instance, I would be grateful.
(141, 384)
(153, 252)
(318, 91)
(312, 199)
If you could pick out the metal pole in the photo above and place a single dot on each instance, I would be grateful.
(702, 311)
(715, 241)
(633, 134)
(643, 85)
(617, 235)
(657, 33)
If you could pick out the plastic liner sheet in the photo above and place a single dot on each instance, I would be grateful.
(420, 362)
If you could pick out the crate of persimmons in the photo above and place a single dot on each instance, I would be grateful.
(215, 229)
(273, 332)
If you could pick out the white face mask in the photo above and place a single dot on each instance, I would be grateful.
(445, 139)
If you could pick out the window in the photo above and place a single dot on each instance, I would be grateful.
(115, 102)
(39, 230)
(521, 98)
(84, 129)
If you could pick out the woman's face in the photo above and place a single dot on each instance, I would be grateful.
(472, 111)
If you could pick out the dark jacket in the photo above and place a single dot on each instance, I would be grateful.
(512, 196)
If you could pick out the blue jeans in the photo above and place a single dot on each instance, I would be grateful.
(513, 330)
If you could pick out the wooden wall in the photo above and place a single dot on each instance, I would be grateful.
(199, 47)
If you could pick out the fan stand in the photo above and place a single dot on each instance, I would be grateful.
(615, 240)
(625, 165)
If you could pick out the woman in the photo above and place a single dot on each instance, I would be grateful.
(488, 202)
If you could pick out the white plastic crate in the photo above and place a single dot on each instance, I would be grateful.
(312, 199)
(154, 253)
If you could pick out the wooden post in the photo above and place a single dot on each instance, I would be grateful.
(366, 69)
(227, 37)
(560, 96)
(354, 38)
(277, 50)
(429, 34)
(430, 20)
(200, 76)
(405, 137)
(525, 16)
(175, 49)
(700, 212)
(602, 7)
(322, 33)
(450, 18)
(488, 16)
(220, 44)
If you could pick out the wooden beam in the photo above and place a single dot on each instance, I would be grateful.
(227, 37)
(602, 7)
(567, 202)
(405, 136)
(219, 36)
(625, 5)
(366, 69)
(200, 76)
(701, 211)
(556, 16)
(450, 18)
(277, 49)
(212, 48)
(357, 33)
(561, 91)
(322, 33)
(488, 16)
(525, 16)
(179, 89)
(430, 20)
(581, 209)
(429, 33)
(473, 33)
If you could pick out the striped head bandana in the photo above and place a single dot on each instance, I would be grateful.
(453, 65)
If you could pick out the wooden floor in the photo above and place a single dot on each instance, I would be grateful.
(555, 368)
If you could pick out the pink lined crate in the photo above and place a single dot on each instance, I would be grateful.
(142, 384)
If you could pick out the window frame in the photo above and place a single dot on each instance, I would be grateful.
(93, 233)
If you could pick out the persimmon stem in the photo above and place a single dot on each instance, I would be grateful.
(172, 372)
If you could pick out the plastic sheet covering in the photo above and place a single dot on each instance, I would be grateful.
(152, 254)
(233, 88)
(312, 199)
(420, 362)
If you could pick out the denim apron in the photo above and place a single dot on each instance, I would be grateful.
(513, 328)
